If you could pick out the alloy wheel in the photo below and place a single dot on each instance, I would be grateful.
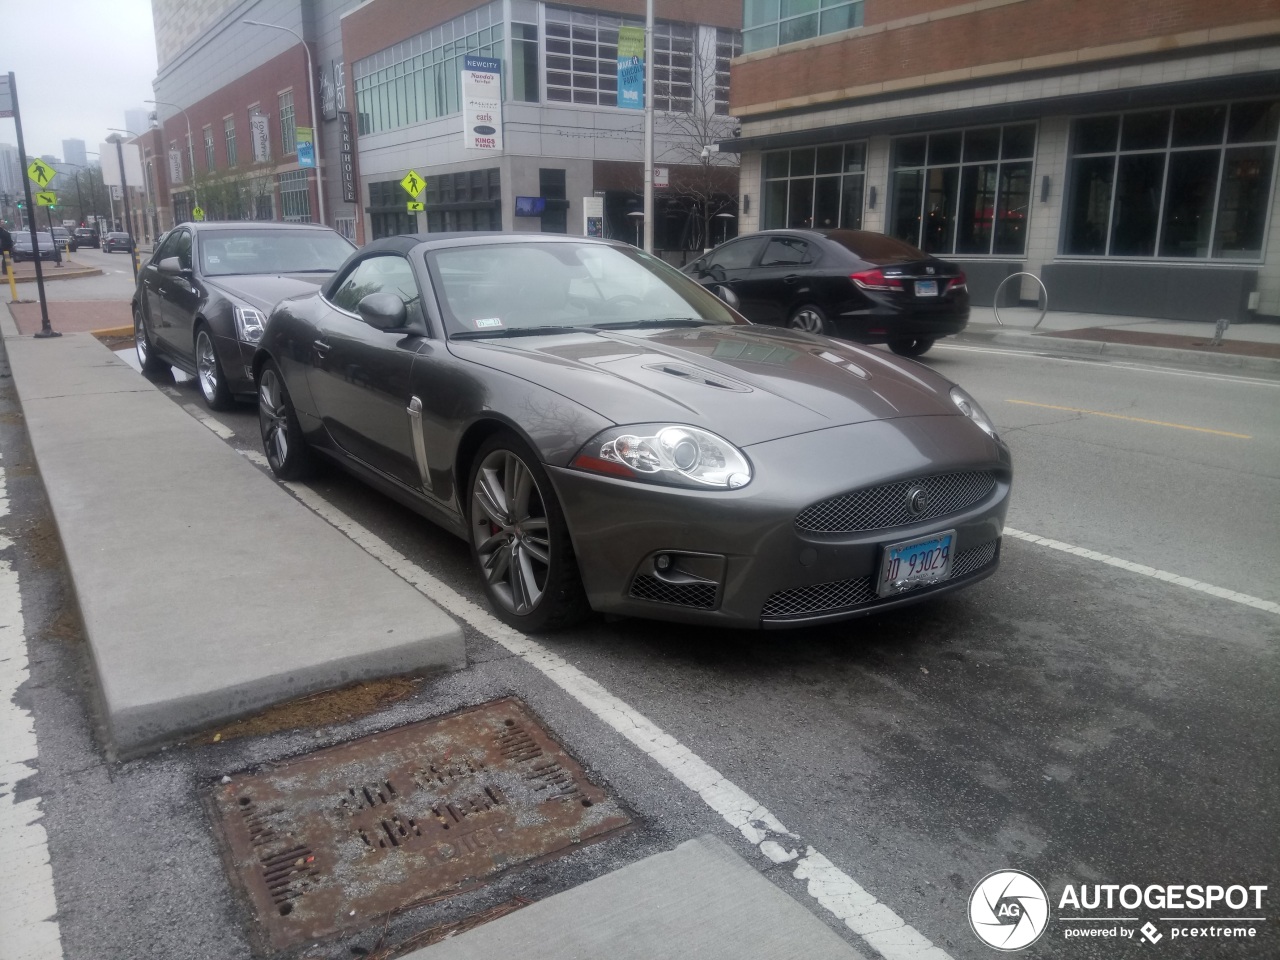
(510, 531)
(206, 366)
(140, 341)
(273, 419)
(808, 320)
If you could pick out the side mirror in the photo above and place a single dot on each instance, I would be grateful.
(383, 311)
(171, 265)
(727, 295)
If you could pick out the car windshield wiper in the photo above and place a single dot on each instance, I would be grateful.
(667, 322)
(515, 332)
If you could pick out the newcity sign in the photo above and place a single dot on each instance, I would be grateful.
(482, 103)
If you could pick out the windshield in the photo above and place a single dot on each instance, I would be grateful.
(504, 288)
(225, 253)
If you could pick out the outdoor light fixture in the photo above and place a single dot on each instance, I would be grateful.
(746, 203)
(1044, 189)
(871, 198)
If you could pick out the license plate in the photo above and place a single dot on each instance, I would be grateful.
(915, 563)
(926, 288)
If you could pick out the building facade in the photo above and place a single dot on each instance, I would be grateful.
(1123, 154)
(389, 101)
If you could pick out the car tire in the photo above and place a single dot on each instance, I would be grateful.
(521, 551)
(810, 319)
(910, 346)
(209, 374)
(287, 452)
(147, 358)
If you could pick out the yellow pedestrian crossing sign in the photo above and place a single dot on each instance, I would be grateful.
(416, 206)
(197, 214)
(41, 172)
(413, 183)
(46, 198)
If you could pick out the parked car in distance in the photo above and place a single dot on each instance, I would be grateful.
(852, 284)
(205, 293)
(66, 240)
(22, 246)
(607, 434)
(115, 240)
(86, 236)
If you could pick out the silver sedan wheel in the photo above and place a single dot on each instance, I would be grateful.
(140, 341)
(206, 366)
(510, 531)
(273, 419)
(808, 320)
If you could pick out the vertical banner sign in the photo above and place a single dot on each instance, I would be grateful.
(6, 97)
(631, 67)
(175, 165)
(482, 103)
(306, 146)
(260, 134)
(340, 84)
(345, 161)
(328, 94)
(593, 216)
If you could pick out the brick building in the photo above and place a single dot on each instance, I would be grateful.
(1123, 153)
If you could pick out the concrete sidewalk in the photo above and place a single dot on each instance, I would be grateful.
(207, 592)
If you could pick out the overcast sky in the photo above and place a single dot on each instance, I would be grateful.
(79, 65)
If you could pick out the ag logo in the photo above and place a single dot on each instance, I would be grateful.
(1008, 910)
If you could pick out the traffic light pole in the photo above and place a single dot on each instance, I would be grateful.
(128, 214)
(45, 329)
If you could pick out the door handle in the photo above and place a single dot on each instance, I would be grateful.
(790, 278)
(322, 348)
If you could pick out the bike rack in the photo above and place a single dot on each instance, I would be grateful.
(995, 301)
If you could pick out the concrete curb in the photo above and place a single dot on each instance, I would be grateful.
(1028, 340)
(178, 574)
(63, 273)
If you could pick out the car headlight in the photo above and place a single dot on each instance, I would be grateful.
(666, 453)
(969, 407)
(249, 324)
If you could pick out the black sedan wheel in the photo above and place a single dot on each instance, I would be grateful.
(147, 358)
(810, 319)
(282, 441)
(910, 346)
(519, 540)
(213, 382)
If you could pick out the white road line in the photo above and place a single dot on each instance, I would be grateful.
(831, 887)
(1165, 575)
(27, 905)
(1102, 362)
(217, 426)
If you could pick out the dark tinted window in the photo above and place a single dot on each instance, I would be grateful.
(875, 247)
(385, 274)
(736, 255)
(785, 251)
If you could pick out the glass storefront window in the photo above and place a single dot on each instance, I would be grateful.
(769, 23)
(1189, 183)
(963, 191)
(818, 187)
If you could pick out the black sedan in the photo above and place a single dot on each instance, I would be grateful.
(851, 284)
(86, 236)
(607, 434)
(205, 293)
(115, 240)
(22, 246)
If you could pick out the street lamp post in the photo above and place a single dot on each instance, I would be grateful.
(191, 154)
(124, 192)
(311, 93)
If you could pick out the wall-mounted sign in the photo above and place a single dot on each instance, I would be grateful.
(482, 103)
(346, 160)
(631, 67)
(305, 143)
(328, 93)
(175, 165)
(593, 216)
(661, 177)
(260, 134)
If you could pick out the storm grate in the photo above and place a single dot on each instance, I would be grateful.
(337, 839)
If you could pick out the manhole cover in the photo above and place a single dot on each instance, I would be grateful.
(337, 838)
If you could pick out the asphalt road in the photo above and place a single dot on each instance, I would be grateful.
(1072, 718)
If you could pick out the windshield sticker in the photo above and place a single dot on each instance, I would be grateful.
(214, 260)
(487, 323)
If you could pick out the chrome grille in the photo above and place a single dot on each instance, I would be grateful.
(850, 594)
(876, 508)
(701, 595)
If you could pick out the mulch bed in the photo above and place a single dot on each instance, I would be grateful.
(1244, 348)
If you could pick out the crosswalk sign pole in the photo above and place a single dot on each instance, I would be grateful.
(45, 329)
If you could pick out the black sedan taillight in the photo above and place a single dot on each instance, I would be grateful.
(876, 280)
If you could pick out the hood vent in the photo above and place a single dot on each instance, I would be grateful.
(694, 375)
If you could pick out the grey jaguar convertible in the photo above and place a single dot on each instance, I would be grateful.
(609, 435)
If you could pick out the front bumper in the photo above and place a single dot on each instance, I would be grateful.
(738, 558)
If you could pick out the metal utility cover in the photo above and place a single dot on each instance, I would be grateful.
(337, 838)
